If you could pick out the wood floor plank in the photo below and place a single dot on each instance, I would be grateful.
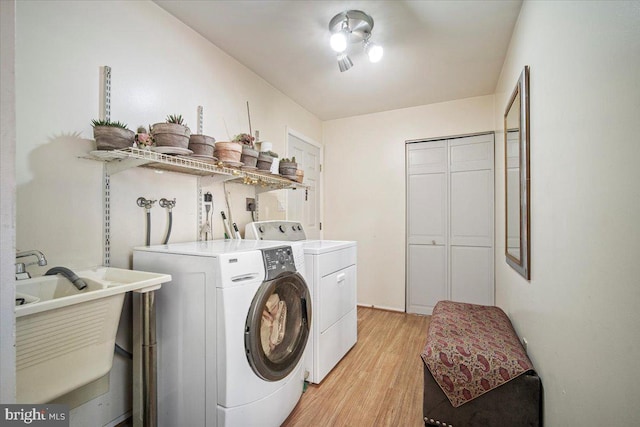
(378, 383)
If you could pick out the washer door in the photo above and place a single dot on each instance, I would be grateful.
(277, 327)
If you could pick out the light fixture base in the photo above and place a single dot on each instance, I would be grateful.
(359, 23)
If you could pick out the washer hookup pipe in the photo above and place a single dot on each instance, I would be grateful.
(147, 205)
(169, 205)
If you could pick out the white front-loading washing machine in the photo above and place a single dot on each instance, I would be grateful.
(331, 271)
(231, 329)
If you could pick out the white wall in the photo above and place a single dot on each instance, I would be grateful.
(579, 312)
(159, 67)
(364, 166)
(7, 200)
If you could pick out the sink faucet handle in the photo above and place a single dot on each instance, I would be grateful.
(21, 271)
(21, 267)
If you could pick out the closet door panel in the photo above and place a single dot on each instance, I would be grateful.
(471, 210)
(427, 277)
(471, 153)
(427, 212)
(427, 158)
(472, 275)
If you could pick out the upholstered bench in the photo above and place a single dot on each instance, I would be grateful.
(476, 372)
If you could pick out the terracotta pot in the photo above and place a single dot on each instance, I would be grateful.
(264, 162)
(170, 135)
(112, 138)
(299, 175)
(202, 145)
(288, 168)
(249, 156)
(228, 151)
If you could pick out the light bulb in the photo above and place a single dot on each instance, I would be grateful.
(338, 41)
(374, 52)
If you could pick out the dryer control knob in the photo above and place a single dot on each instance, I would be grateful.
(281, 228)
(261, 229)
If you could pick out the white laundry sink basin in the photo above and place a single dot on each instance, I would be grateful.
(65, 337)
(24, 299)
(56, 291)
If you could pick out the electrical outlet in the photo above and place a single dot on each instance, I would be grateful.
(251, 204)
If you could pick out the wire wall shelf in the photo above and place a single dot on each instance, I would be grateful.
(123, 159)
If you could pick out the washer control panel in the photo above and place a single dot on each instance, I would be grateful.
(278, 260)
(290, 231)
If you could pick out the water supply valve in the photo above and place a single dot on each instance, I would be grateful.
(147, 204)
(169, 204)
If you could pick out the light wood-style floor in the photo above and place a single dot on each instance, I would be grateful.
(378, 383)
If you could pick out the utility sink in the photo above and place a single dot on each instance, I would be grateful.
(65, 337)
(24, 299)
(53, 292)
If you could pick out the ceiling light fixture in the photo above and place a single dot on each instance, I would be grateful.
(374, 51)
(350, 27)
(339, 39)
(344, 62)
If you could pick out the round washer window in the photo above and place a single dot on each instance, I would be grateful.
(277, 327)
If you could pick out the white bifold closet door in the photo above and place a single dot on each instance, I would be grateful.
(450, 222)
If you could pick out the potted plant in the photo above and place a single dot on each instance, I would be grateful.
(173, 133)
(112, 135)
(249, 153)
(288, 168)
(202, 145)
(228, 152)
(143, 137)
(265, 160)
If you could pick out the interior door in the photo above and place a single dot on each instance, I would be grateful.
(304, 204)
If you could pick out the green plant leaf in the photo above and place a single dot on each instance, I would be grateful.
(95, 123)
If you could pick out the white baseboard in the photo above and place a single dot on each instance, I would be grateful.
(381, 307)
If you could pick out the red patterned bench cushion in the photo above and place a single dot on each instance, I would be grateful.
(472, 349)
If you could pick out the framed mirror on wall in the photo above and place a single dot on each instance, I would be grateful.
(517, 185)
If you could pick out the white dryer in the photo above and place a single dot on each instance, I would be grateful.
(231, 331)
(331, 271)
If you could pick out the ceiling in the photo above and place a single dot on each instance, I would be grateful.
(435, 51)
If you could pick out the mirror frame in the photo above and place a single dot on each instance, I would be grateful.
(522, 265)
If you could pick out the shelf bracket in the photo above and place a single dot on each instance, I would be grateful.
(106, 217)
(106, 93)
(120, 165)
(200, 119)
(199, 206)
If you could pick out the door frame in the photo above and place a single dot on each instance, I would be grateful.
(320, 190)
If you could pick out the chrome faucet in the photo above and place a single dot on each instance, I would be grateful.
(21, 267)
